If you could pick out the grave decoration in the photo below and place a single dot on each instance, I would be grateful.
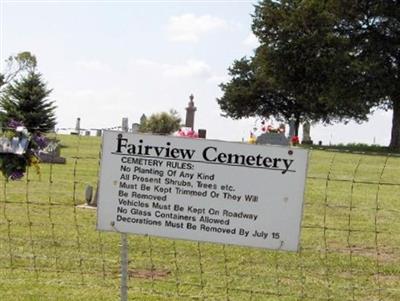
(269, 135)
(51, 154)
(252, 138)
(187, 133)
(295, 140)
(19, 149)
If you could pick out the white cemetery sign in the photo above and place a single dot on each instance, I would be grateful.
(203, 190)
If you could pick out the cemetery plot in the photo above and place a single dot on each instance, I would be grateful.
(204, 190)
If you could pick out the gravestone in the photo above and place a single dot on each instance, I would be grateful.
(272, 138)
(77, 127)
(202, 133)
(88, 194)
(125, 124)
(135, 127)
(190, 110)
(306, 133)
(292, 126)
(51, 154)
(96, 196)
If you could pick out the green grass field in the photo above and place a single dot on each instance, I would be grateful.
(350, 241)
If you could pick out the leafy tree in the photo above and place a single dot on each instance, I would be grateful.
(26, 100)
(374, 29)
(330, 60)
(298, 68)
(23, 61)
(161, 123)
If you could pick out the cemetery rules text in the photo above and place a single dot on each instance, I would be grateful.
(203, 190)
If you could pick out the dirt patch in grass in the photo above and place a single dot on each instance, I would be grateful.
(387, 279)
(383, 253)
(149, 274)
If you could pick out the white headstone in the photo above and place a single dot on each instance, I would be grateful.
(124, 124)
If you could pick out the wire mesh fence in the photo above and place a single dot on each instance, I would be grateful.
(350, 240)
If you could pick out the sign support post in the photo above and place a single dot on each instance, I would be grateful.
(124, 267)
(124, 254)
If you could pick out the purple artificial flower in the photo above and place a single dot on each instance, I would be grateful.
(41, 141)
(12, 123)
(16, 175)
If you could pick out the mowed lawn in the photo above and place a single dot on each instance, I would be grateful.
(350, 240)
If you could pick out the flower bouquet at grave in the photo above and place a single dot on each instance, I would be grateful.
(19, 149)
(266, 129)
(295, 140)
(187, 133)
(270, 128)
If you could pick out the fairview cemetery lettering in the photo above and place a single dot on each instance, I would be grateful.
(204, 190)
(209, 154)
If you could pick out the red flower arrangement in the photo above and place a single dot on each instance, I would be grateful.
(295, 140)
(187, 133)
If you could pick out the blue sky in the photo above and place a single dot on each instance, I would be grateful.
(114, 59)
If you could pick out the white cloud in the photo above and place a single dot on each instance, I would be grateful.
(251, 41)
(191, 68)
(189, 27)
(93, 65)
(83, 95)
(144, 63)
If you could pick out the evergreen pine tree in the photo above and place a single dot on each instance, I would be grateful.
(26, 100)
